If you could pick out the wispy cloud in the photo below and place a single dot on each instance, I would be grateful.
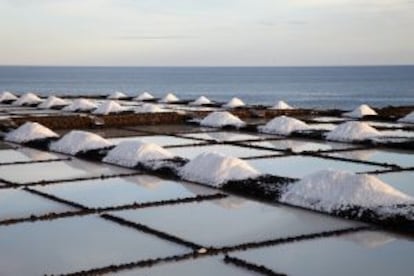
(155, 37)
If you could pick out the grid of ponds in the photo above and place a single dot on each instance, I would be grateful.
(61, 215)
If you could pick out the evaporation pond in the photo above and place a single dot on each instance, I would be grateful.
(122, 191)
(59, 170)
(16, 203)
(402, 181)
(206, 266)
(229, 150)
(232, 221)
(361, 253)
(25, 155)
(299, 166)
(74, 244)
(300, 145)
(162, 140)
(225, 136)
(400, 158)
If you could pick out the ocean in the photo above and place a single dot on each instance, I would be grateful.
(320, 87)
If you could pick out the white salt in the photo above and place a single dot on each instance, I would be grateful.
(144, 96)
(7, 96)
(169, 98)
(352, 131)
(81, 105)
(79, 141)
(234, 102)
(360, 111)
(117, 95)
(29, 132)
(283, 125)
(222, 118)
(28, 99)
(53, 101)
(109, 107)
(409, 118)
(200, 101)
(281, 105)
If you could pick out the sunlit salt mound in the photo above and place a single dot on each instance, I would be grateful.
(221, 119)
(109, 107)
(200, 101)
(131, 153)
(81, 105)
(53, 101)
(144, 96)
(29, 132)
(281, 105)
(234, 102)
(283, 125)
(352, 131)
(28, 99)
(337, 190)
(6, 96)
(117, 95)
(169, 98)
(149, 108)
(361, 111)
(216, 169)
(408, 118)
(79, 141)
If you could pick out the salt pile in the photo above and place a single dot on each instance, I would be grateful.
(131, 153)
(361, 111)
(221, 119)
(109, 107)
(169, 98)
(117, 95)
(338, 190)
(144, 96)
(281, 105)
(53, 101)
(149, 108)
(352, 131)
(200, 101)
(283, 125)
(6, 96)
(81, 105)
(409, 118)
(216, 169)
(78, 141)
(28, 99)
(29, 132)
(234, 102)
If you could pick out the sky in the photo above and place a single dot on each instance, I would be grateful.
(206, 32)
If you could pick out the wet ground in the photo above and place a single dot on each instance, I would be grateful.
(63, 215)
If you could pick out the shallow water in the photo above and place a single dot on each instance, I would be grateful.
(400, 158)
(19, 204)
(402, 181)
(228, 150)
(122, 191)
(233, 221)
(56, 171)
(299, 166)
(300, 145)
(74, 244)
(161, 140)
(206, 266)
(362, 253)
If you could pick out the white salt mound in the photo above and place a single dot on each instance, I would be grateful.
(409, 118)
(234, 102)
(7, 96)
(169, 98)
(282, 106)
(144, 96)
(352, 131)
(29, 132)
(200, 101)
(78, 141)
(360, 111)
(53, 101)
(81, 105)
(216, 169)
(222, 118)
(283, 125)
(28, 99)
(332, 190)
(117, 95)
(109, 107)
(149, 108)
(130, 153)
